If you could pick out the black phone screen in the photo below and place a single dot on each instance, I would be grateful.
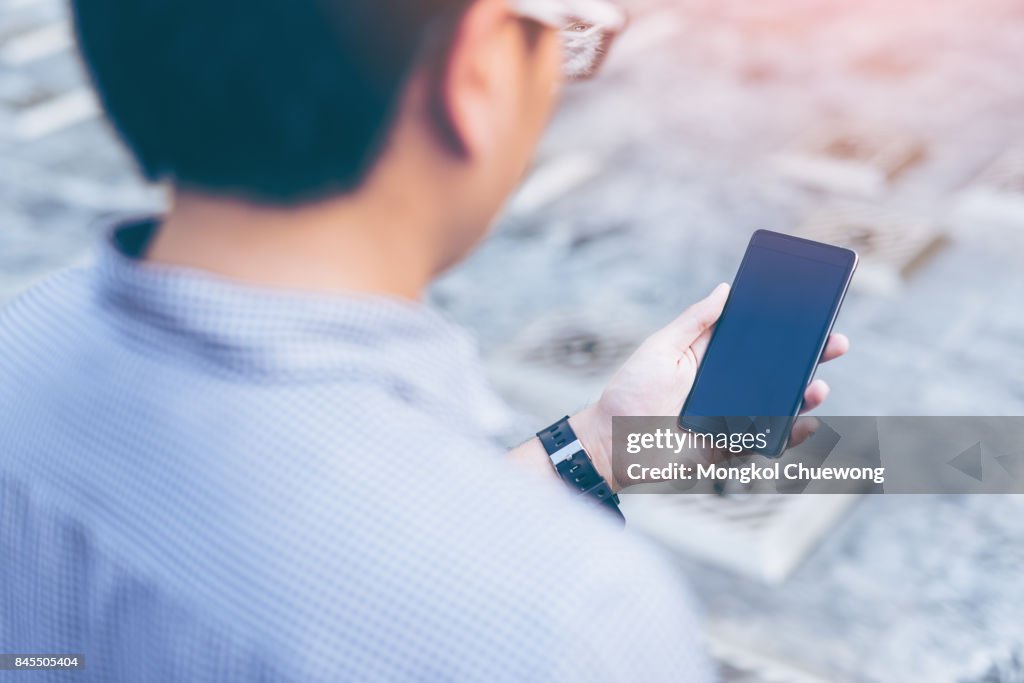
(773, 329)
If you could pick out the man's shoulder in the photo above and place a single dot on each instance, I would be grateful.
(44, 324)
(47, 302)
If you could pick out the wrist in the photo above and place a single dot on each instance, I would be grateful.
(594, 430)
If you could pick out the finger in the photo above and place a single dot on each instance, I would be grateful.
(837, 345)
(695, 320)
(815, 394)
(699, 346)
(802, 430)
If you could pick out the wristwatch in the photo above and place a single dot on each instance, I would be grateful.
(576, 468)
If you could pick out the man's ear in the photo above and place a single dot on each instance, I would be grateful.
(465, 94)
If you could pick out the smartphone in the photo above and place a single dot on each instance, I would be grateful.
(769, 340)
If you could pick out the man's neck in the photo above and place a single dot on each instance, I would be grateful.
(335, 245)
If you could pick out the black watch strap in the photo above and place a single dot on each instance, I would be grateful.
(575, 467)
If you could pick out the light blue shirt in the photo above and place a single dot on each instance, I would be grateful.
(207, 481)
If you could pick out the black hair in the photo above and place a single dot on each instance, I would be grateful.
(276, 101)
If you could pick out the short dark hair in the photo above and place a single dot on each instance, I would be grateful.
(277, 101)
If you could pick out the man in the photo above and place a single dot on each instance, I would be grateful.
(240, 448)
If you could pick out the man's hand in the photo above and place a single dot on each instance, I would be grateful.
(659, 375)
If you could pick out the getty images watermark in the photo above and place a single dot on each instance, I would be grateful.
(828, 455)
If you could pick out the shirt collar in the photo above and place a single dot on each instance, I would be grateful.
(272, 334)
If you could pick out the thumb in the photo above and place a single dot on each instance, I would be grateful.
(695, 320)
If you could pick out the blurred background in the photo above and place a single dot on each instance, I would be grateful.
(893, 127)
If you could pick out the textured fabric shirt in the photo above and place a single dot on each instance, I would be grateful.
(202, 480)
